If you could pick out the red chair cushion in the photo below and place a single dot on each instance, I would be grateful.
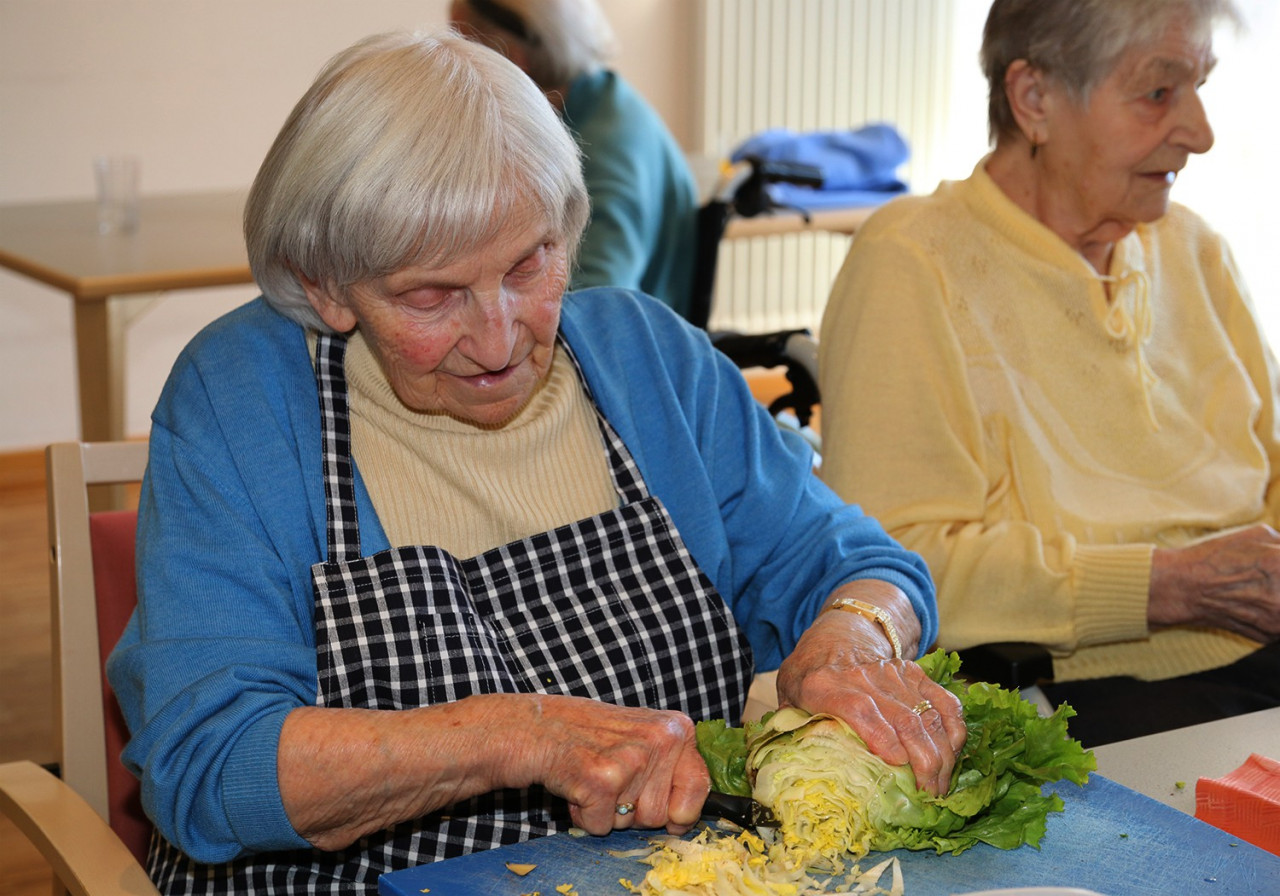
(112, 536)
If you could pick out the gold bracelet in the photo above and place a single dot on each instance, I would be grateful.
(871, 611)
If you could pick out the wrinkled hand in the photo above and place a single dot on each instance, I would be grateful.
(599, 756)
(1231, 581)
(839, 667)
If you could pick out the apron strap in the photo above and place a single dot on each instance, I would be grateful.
(342, 525)
(627, 481)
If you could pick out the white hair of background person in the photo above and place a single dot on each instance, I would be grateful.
(1078, 42)
(409, 148)
(567, 38)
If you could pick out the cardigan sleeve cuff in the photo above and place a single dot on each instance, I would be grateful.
(251, 785)
(1112, 583)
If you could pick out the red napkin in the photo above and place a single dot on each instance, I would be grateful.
(1245, 802)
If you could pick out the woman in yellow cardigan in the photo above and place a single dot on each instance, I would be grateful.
(1050, 381)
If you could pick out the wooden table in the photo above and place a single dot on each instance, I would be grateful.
(830, 220)
(185, 241)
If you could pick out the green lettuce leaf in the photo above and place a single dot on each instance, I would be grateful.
(725, 751)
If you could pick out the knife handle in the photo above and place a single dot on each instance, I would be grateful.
(737, 809)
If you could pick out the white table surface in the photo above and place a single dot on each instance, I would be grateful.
(1155, 765)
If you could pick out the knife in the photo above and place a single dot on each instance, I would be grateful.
(741, 810)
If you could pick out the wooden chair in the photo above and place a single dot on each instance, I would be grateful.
(88, 824)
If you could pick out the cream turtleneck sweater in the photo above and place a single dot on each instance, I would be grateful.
(436, 480)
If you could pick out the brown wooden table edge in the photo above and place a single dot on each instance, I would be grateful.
(98, 288)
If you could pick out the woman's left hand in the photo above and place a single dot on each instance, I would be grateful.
(843, 665)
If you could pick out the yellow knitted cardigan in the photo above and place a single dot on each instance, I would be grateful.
(1034, 430)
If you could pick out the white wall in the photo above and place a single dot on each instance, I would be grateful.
(1234, 186)
(197, 90)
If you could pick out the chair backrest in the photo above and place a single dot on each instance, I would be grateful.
(93, 593)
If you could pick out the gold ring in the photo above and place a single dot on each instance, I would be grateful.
(922, 707)
(625, 808)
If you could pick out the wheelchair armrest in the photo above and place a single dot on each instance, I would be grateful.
(762, 349)
(795, 350)
(1010, 664)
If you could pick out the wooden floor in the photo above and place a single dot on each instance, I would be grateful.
(26, 724)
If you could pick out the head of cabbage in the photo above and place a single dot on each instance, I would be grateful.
(832, 796)
(835, 799)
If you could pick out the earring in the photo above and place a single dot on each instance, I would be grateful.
(1034, 139)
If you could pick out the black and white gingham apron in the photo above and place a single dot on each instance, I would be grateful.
(612, 607)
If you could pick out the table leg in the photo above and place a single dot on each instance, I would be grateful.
(100, 370)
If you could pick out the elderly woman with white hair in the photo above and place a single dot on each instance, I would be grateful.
(644, 202)
(1050, 381)
(433, 556)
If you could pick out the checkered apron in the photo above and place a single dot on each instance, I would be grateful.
(612, 608)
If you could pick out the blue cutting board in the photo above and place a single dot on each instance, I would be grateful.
(1110, 839)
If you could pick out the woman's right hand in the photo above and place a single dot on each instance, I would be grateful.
(1230, 581)
(599, 756)
(345, 773)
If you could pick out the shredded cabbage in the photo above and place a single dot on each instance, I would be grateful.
(742, 864)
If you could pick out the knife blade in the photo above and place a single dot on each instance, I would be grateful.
(741, 810)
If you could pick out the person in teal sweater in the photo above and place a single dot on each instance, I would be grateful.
(644, 202)
(435, 557)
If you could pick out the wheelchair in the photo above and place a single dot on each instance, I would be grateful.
(743, 191)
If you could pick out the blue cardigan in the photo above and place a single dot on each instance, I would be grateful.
(644, 203)
(232, 517)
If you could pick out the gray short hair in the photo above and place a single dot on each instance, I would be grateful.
(564, 38)
(1077, 42)
(407, 148)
